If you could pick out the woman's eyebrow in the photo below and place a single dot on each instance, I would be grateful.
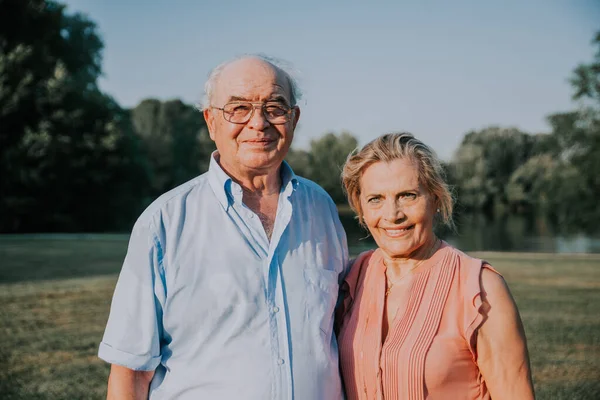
(370, 194)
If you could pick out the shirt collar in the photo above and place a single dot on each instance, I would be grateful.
(219, 181)
(289, 180)
(227, 190)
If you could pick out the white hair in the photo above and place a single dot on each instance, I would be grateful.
(280, 65)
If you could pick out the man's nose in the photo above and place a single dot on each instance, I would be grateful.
(258, 120)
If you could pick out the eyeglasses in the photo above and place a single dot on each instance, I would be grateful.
(240, 112)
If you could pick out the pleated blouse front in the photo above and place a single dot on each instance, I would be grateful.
(430, 348)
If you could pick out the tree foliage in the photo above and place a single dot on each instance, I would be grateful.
(484, 162)
(556, 174)
(530, 186)
(299, 160)
(64, 144)
(586, 77)
(578, 136)
(175, 139)
(71, 159)
(323, 162)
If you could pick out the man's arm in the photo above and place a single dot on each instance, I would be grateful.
(134, 328)
(127, 384)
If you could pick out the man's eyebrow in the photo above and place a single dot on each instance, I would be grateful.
(275, 98)
(236, 98)
(278, 98)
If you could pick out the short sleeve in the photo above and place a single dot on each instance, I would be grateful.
(134, 328)
(474, 310)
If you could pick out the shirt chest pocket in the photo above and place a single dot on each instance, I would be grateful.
(321, 296)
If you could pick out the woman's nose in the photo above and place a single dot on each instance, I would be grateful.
(393, 212)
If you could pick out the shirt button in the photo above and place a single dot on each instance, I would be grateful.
(280, 361)
(275, 309)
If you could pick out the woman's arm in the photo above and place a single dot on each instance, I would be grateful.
(127, 384)
(501, 345)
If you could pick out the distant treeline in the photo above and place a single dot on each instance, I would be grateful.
(73, 160)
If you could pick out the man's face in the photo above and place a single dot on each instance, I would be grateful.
(256, 146)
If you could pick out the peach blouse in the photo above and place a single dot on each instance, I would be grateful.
(430, 350)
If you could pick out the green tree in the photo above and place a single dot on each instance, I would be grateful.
(327, 155)
(35, 38)
(530, 188)
(577, 135)
(176, 140)
(577, 187)
(299, 160)
(68, 158)
(484, 163)
(586, 77)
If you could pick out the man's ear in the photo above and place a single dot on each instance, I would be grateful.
(210, 122)
(296, 116)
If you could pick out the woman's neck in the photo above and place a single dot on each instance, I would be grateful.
(401, 266)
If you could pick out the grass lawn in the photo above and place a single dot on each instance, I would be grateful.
(55, 293)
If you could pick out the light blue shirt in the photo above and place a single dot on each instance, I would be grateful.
(220, 311)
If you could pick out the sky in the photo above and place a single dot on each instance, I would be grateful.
(437, 69)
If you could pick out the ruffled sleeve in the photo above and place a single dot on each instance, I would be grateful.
(474, 313)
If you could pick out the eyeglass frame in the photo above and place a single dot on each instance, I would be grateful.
(256, 105)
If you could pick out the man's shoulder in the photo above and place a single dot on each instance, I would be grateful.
(172, 198)
(313, 188)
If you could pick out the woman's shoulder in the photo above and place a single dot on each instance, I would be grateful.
(468, 264)
(469, 271)
(462, 256)
(358, 269)
(360, 262)
(365, 256)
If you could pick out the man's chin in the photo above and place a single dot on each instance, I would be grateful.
(261, 160)
(259, 147)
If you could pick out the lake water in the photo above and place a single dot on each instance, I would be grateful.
(473, 233)
(476, 233)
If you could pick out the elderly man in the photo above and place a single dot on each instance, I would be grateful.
(230, 280)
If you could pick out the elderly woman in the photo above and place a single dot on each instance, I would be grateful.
(420, 319)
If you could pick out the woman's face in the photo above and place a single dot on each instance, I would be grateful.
(396, 208)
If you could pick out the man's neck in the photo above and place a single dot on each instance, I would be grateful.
(261, 195)
(260, 192)
(264, 182)
(260, 184)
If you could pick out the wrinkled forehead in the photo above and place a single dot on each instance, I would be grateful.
(253, 80)
(400, 172)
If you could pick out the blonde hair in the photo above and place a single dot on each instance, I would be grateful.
(394, 146)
